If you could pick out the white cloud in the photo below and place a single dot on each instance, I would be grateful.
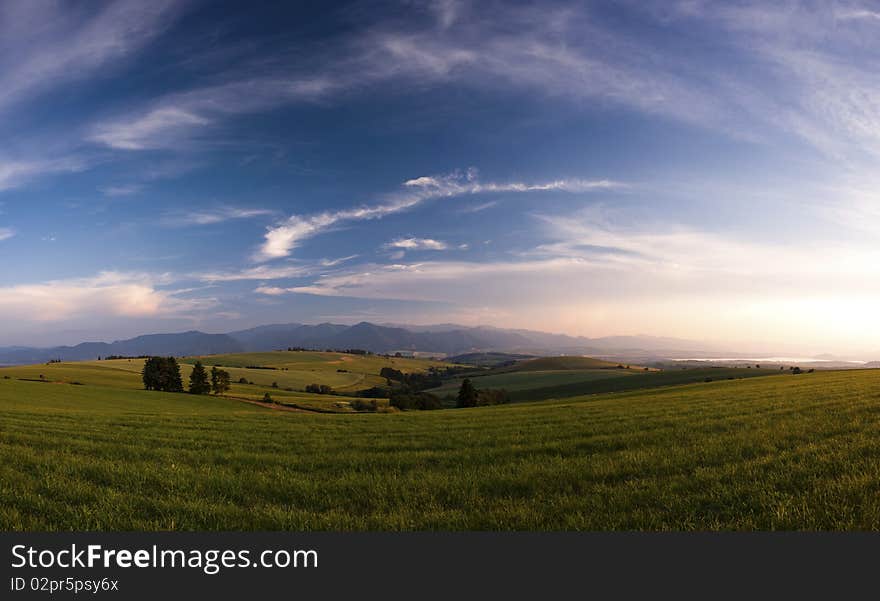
(121, 190)
(146, 131)
(272, 290)
(417, 244)
(337, 261)
(261, 272)
(859, 14)
(281, 239)
(478, 207)
(212, 216)
(6, 233)
(111, 294)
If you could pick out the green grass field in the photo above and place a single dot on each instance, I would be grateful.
(626, 380)
(293, 372)
(528, 385)
(521, 381)
(783, 452)
(559, 364)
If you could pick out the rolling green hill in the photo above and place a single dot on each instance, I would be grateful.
(784, 452)
(532, 380)
(291, 371)
(567, 376)
(560, 363)
(625, 380)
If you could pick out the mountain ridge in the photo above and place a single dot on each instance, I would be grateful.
(446, 339)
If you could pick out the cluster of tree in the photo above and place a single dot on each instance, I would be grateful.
(112, 357)
(370, 406)
(407, 390)
(199, 382)
(162, 373)
(319, 389)
(347, 351)
(220, 380)
(469, 396)
(463, 370)
(376, 392)
(389, 373)
(413, 381)
(407, 400)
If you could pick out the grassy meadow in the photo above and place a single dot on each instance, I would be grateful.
(570, 376)
(290, 371)
(780, 452)
(517, 381)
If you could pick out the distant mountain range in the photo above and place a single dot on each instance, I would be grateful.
(444, 339)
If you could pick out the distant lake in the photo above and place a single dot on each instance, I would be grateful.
(773, 359)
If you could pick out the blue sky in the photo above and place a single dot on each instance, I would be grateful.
(693, 169)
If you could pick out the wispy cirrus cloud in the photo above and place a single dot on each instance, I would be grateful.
(16, 172)
(857, 14)
(44, 43)
(6, 233)
(804, 68)
(145, 131)
(181, 115)
(476, 208)
(552, 50)
(337, 261)
(261, 272)
(213, 216)
(275, 272)
(565, 50)
(121, 190)
(281, 239)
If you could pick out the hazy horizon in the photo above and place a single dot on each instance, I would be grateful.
(703, 349)
(695, 170)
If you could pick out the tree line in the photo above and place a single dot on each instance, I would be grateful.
(470, 396)
(409, 391)
(163, 373)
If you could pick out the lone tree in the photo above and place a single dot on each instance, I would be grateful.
(219, 380)
(198, 380)
(467, 394)
(162, 373)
